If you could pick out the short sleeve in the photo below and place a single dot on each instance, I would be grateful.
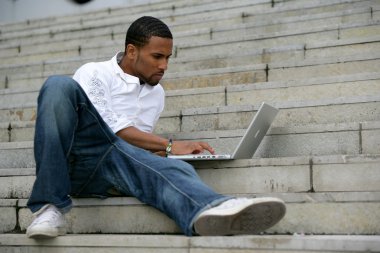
(96, 84)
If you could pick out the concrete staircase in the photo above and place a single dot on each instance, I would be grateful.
(318, 61)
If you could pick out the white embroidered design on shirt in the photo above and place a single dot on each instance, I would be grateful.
(97, 95)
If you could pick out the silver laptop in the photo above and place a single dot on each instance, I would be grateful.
(249, 143)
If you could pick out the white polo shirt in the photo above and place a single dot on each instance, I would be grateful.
(119, 98)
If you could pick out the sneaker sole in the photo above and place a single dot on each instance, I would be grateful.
(255, 217)
(46, 234)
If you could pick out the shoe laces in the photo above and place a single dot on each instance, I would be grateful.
(50, 215)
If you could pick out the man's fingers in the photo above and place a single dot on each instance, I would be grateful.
(186, 147)
(206, 146)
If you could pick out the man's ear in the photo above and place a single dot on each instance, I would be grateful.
(131, 51)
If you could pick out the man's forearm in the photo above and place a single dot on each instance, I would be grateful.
(157, 144)
(142, 139)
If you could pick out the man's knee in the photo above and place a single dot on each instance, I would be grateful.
(56, 86)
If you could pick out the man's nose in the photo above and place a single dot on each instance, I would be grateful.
(164, 64)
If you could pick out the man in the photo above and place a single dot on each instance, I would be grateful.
(94, 137)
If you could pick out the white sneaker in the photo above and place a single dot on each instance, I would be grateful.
(48, 222)
(240, 216)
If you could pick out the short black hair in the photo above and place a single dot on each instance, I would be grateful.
(142, 29)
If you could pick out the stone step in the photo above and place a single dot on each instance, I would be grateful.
(189, 14)
(295, 52)
(284, 36)
(325, 67)
(168, 9)
(42, 71)
(114, 25)
(220, 26)
(319, 199)
(291, 133)
(87, 20)
(91, 15)
(11, 76)
(18, 123)
(257, 175)
(200, 123)
(298, 113)
(338, 86)
(182, 244)
(344, 138)
(111, 28)
(280, 71)
(308, 89)
(68, 66)
(246, 11)
(307, 213)
(292, 113)
(96, 37)
(284, 11)
(311, 68)
(271, 26)
(253, 176)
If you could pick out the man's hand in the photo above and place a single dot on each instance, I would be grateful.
(190, 147)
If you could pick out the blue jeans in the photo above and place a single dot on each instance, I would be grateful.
(78, 155)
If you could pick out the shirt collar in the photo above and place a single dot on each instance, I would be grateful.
(126, 77)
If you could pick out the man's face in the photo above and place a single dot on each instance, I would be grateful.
(151, 61)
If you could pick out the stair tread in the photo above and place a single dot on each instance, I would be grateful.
(90, 19)
(357, 243)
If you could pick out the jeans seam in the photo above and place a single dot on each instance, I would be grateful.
(94, 171)
(118, 182)
(160, 174)
(72, 140)
(106, 133)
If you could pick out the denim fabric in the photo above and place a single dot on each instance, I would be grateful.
(78, 155)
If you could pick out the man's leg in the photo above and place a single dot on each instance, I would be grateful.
(169, 185)
(173, 187)
(66, 122)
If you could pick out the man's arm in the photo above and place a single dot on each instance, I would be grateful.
(158, 144)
